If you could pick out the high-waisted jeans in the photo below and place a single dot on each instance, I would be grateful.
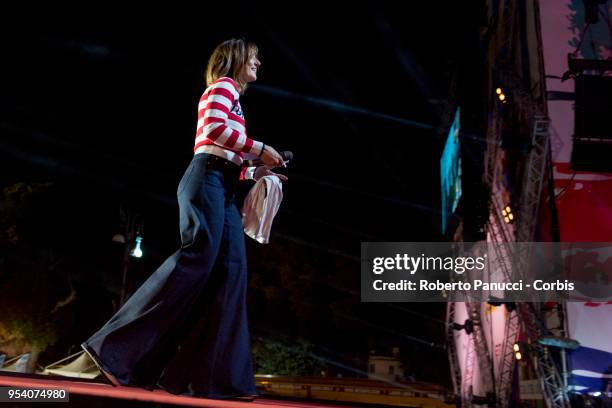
(185, 329)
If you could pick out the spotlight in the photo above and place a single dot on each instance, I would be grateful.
(493, 301)
(508, 215)
(502, 97)
(498, 91)
(468, 326)
(519, 351)
(137, 251)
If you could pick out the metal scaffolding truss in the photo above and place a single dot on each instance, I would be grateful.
(476, 352)
(481, 347)
(550, 379)
(551, 382)
(531, 188)
(468, 379)
(500, 236)
(507, 360)
(531, 111)
(493, 146)
(533, 179)
(453, 358)
(508, 20)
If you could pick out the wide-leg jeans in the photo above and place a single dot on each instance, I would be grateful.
(185, 329)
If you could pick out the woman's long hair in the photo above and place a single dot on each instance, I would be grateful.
(229, 59)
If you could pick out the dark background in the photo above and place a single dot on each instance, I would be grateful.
(103, 104)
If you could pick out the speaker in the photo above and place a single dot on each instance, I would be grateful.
(592, 147)
(593, 107)
(592, 155)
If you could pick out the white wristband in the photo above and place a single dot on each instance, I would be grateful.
(249, 174)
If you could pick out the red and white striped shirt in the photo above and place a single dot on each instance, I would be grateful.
(221, 128)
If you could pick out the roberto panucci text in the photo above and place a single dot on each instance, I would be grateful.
(437, 285)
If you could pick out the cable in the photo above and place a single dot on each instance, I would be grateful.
(566, 186)
(584, 33)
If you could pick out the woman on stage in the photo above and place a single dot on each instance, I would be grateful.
(185, 329)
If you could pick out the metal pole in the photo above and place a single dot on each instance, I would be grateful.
(564, 368)
(126, 256)
(129, 237)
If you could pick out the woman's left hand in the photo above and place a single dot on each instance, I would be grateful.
(262, 171)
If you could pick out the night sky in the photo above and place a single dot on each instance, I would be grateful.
(103, 104)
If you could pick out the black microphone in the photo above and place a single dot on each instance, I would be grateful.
(286, 155)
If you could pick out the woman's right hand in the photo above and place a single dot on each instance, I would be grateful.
(270, 157)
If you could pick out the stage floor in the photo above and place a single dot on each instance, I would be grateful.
(94, 393)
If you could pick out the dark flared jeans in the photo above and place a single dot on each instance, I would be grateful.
(185, 329)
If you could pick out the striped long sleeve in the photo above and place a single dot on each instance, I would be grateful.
(221, 122)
